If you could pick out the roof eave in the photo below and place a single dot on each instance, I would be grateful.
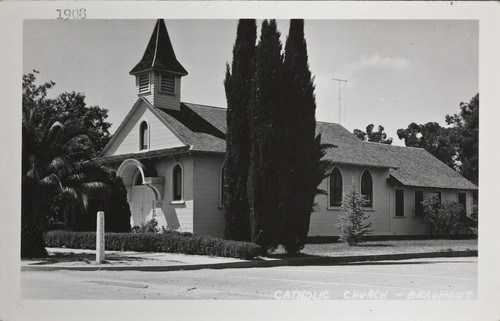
(182, 74)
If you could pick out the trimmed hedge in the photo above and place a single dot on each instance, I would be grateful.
(171, 242)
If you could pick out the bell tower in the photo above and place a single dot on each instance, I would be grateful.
(158, 74)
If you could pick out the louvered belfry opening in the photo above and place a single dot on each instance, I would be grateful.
(158, 74)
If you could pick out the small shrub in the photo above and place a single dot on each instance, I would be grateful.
(353, 225)
(167, 230)
(170, 242)
(150, 226)
(444, 218)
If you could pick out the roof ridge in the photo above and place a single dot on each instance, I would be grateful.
(202, 105)
(390, 145)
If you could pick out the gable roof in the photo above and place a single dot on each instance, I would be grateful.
(159, 53)
(203, 128)
(416, 167)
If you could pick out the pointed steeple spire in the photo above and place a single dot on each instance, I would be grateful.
(159, 54)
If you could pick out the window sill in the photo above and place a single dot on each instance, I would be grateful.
(220, 206)
(368, 209)
(399, 217)
(177, 202)
(334, 208)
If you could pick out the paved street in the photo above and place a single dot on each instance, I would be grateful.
(423, 279)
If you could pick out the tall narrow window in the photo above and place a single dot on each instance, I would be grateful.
(367, 188)
(167, 84)
(462, 200)
(438, 195)
(222, 184)
(143, 136)
(177, 183)
(143, 83)
(336, 188)
(419, 208)
(400, 202)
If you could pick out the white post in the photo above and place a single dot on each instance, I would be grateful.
(99, 244)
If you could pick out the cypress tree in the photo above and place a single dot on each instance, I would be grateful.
(238, 85)
(265, 221)
(299, 154)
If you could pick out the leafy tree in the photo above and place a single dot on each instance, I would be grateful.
(238, 86)
(296, 145)
(465, 131)
(456, 145)
(371, 136)
(265, 219)
(432, 137)
(69, 108)
(55, 166)
(353, 225)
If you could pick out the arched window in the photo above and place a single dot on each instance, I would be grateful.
(143, 136)
(177, 183)
(222, 181)
(336, 188)
(367, 188)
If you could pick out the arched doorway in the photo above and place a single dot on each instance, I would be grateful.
(144, 190)
(142, 201)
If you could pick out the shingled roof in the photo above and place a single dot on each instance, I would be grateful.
(159, 53)
(203, 128)
(417, 167)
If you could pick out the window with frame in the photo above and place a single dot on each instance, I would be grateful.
(367, 188)
(167, 84)
(419, 208)
(222, 184)
(400, 202)
(143, 83)
(336, 188)
(462, 200)
(143, 136)
(177, 183)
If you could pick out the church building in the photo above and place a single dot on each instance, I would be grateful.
(170, 155)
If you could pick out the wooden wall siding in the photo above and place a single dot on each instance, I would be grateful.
(177, 216)
(407, 224)
(324, 220)
(162, 100)
(208, 216)
(411, 225)
(128, 139)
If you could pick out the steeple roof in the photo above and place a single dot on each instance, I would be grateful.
(159, 53)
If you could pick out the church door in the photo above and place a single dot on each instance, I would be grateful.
(142, 204)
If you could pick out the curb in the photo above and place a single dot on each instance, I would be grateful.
(325, 260)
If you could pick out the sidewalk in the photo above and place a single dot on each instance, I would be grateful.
(84, 260)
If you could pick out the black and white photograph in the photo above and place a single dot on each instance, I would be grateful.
(292, 158)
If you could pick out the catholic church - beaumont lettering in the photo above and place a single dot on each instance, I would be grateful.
(170, 155)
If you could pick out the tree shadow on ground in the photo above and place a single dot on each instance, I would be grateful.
(290, 256)
(397, 262)
(374, 245)
(88, 258)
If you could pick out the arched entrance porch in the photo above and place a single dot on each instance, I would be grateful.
(144, 190)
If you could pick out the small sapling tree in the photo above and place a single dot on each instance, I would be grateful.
(353, 225)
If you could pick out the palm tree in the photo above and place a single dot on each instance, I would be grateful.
(54, 165)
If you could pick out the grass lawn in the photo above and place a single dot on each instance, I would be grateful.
(389, 247)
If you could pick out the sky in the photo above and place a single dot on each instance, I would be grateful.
(397, 71)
